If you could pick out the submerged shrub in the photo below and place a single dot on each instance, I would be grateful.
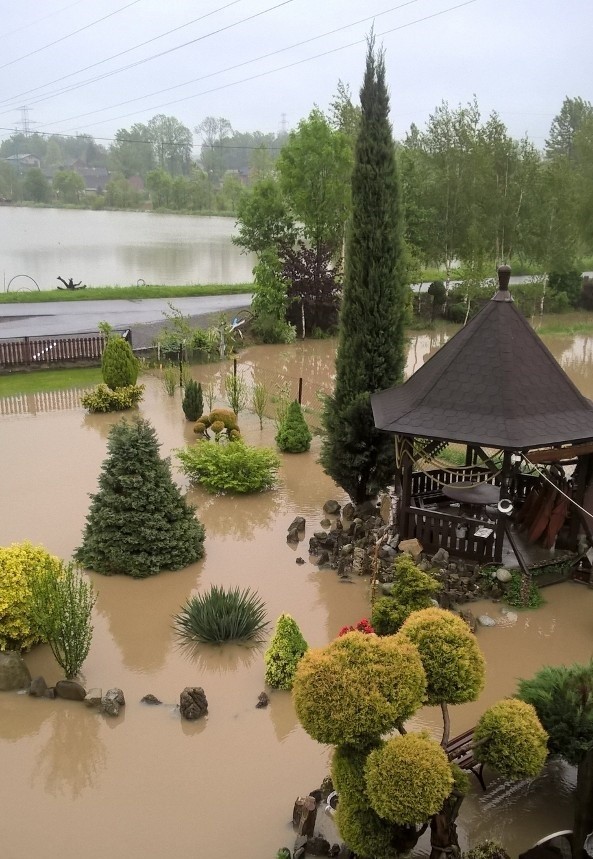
(21, 564)
(103, 399)
(293, 436)
(62, 606)
(193, 402)
(222, 615)
(138, 522)
(412, 590)
(284, 653)
(233, 467)
(119, 365)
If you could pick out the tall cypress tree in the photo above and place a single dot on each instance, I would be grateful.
(370, 353)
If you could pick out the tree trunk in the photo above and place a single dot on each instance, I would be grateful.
(443, 830)
(583, 805)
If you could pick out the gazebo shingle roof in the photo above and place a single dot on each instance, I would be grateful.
(494, 384)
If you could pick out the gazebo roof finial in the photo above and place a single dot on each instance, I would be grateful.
(504, 276)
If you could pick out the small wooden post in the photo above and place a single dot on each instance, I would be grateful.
(300, 390)
(27, 351)
(235, 368)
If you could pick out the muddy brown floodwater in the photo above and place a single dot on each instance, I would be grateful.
(148, 785)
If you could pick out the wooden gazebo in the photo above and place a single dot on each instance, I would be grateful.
(496, 389)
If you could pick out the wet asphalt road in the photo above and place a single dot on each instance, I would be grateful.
(81, 317)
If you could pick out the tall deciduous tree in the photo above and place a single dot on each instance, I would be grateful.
(565, 125)
(370, 352)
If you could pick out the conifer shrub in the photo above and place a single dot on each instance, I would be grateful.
(454, 664)
(234, 467)
(412, 590)
(119, 365)
(284, 653)
(104, 399)
(62, 606)
(357, 688)
(293, 436)
(21, 564)
(487, 850)
(193, 401)
(510, 738)
(138, 523)
(408, 779)
(221, 615)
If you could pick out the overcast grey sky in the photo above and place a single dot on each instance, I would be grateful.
(519, 57)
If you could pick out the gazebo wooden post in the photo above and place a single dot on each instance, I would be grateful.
(407, 469)
(505, 492)
(469, 455)
(582, 476)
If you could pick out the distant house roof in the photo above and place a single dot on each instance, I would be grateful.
(494, 384)
(25, 159)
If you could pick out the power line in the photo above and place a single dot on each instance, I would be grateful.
(39, 20)
(115, 56)
(282, 68)
(237, 65)
(163, 53)
(69, 35)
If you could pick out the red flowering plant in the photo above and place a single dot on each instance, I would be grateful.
(362, 626)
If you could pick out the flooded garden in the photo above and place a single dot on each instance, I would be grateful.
(148, 783)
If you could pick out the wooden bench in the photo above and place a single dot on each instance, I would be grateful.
(460, 751)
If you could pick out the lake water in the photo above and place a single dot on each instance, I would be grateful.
(116, 248)
(75, 781)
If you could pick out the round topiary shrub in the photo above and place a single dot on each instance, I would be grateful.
(358, 687)
(510, 738)
(20, 565)
(408, 779)
(487, 850)
(227, 416)
(293, 434)
(454, 664)
(284, 653)
(119, 365)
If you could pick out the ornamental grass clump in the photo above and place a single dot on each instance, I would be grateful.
(293, 436)
(284, 653)
(221, 615)
(21, 564)
(234, 467)
(61, 607)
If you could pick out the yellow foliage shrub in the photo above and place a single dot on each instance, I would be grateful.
(20, 564)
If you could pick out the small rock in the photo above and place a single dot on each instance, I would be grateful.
(385, 509)
(322, 559)
(299, 852)
(150, 699)
(300, 561)
(93, 697)
(510, 616)
(466, 615)
(14, 674)
(71, 690)
(413, 547)
(109, 706)
(486, 620)
(262, 700)
(346, 550)
(327, 787)
(321, 536)
(116, 695)
(332, 507)
(325, 523)
(50, 693)
(440, 558)
(503, 575)
(38, 687)
(386, 588)
(293, 536)
(298, 523)
(424, 565)
(348, 511)
(192, 703)
(317, 846)
(316, 794)
(334, 850)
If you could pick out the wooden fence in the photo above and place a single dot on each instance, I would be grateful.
(42, 401)
(31, 352)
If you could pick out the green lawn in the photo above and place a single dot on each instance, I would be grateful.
(99, 293)
(49, 380)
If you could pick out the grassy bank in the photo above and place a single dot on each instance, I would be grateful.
(49, 380)
(127, 293)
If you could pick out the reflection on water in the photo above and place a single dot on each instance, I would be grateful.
(219, 659)
(75, 770)
(74, 753)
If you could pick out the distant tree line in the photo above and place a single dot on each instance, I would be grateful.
(473, 196)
